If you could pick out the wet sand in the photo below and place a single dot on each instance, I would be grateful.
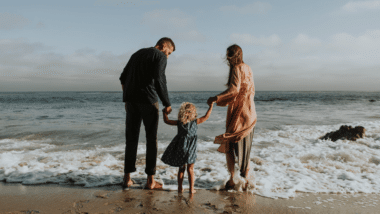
(18, 198)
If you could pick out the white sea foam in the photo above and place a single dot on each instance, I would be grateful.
(285, 161)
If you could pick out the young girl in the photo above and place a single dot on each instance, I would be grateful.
(182, 150)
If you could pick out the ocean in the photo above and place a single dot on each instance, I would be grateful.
(77, 138)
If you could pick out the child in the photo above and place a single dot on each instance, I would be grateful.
(182, 150)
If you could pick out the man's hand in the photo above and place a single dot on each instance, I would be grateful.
(168, 109)
(211, 100)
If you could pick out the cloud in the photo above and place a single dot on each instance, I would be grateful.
(197, 72)
(248, 39)
(119, 3)
(304, 43)
(40, 25)
(340, 62)
(370, 40)
(361, 6)
(26, 66)
(253, 8)
(363, 49)
(338, 49)
(12, 21)
(173, 23)
(19, 47)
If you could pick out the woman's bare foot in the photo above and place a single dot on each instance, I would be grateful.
(192, 191)
(247, 185)
(230, 185)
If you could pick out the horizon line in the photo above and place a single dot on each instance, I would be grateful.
(198, 91)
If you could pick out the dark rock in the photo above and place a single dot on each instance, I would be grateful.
(346, 133)
(372, 101)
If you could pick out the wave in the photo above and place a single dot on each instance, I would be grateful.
(284, 161)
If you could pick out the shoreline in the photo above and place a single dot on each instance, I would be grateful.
(53, 198)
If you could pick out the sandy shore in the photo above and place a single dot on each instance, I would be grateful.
(18, 198)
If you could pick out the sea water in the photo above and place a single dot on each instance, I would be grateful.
(78, 138)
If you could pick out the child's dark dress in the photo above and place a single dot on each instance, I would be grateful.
(183, 148)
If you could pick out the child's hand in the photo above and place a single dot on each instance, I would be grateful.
(167, 110)
(163, 111)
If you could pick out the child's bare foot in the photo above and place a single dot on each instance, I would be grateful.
(192, 191)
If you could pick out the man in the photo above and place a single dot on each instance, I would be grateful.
(143, 78)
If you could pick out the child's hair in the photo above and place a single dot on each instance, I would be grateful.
(187, 112)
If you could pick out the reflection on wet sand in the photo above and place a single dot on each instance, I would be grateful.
(18, 198)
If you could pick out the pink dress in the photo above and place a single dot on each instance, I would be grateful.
(241, 113)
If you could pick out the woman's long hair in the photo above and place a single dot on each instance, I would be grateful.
(187, 112)
(234, 57)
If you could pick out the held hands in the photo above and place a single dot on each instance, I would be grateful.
(211, 101)
(167, 110)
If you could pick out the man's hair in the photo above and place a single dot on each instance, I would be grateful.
(165, 40)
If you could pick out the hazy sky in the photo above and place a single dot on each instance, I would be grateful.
(290, 45)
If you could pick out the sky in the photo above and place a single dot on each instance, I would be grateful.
(294, 45)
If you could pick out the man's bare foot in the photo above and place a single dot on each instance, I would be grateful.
(192, 191)
(180, 189)
(127, 181)
(153, 185)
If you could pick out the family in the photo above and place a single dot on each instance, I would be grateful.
(143, 79)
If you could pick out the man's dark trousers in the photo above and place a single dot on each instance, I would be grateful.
(149, 114)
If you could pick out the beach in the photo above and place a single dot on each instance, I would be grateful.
(61, 149)
(17, 198)
(78, 77)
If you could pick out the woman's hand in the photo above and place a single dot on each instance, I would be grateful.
(211, 100)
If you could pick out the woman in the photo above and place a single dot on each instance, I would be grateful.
(241, 114)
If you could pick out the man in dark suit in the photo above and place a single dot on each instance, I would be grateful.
(142, 79)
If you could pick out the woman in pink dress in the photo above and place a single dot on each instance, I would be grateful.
(241, 114)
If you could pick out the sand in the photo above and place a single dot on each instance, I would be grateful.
(18, 198)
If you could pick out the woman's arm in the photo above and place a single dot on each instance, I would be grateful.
(207, 115)
(167, 121)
